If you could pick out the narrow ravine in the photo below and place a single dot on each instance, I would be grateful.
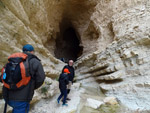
(108, 39)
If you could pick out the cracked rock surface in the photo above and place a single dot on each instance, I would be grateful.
(114, 34)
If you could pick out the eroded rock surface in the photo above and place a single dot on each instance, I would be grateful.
(123, 68)
(114, 39)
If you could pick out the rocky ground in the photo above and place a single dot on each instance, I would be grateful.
(82, 101)
(85, 98)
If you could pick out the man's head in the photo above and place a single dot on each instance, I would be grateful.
(66, 71)
(28, 48)
(70, 62)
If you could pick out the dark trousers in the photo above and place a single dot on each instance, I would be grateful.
(69, 87)
(63, 93)
(68, 91)
(19, 106)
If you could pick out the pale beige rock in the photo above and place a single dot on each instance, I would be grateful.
(2, 104)
(46, 91)
(1, 89)
(76, 86)
(113, 76)
(110, 100)
(95, 104)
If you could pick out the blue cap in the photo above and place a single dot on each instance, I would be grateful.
(28, 47)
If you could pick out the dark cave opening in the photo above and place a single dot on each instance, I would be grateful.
(68, 45)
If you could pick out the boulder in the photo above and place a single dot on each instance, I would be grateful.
(76, 86)
(110, 100)
(95, 104)
(2, 104)
(47, 90)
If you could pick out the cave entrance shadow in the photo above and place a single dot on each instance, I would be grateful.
(68, 45)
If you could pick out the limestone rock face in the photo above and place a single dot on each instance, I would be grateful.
(23, 22)
(122, 69)
(114, 36)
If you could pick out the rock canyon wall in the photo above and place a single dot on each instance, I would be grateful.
(112, 42)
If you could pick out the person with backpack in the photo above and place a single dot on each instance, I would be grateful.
(63, 82)
(20, 77)
(71, 75)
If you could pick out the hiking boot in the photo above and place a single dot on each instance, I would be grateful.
(65, 105)
(68, 99)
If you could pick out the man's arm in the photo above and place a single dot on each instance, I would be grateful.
(39, 76)
(73, 74)
(64, 68)
(67, 79)
(37, 72)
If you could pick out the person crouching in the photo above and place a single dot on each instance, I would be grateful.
(63, 82)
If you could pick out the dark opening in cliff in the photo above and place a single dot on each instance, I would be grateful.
(68, 44)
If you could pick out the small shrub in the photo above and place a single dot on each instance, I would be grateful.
(109, 108)
(44, 90)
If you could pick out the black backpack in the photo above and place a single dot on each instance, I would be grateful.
(15, 74)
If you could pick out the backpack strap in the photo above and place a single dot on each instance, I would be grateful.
(25, 80)
(32, 56)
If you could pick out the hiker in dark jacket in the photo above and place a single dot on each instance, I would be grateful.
(71, 75)
(20, 99)
(63, 81)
